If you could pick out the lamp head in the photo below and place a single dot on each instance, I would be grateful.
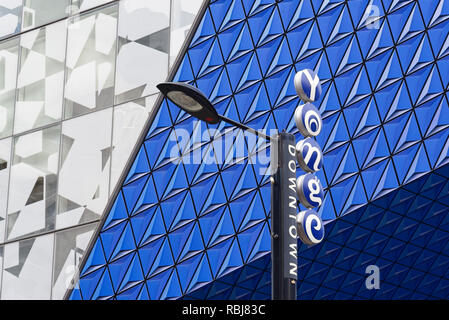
(190, 99)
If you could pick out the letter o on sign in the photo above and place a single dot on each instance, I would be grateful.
(308, 120)
(293, 232)
(292, 166)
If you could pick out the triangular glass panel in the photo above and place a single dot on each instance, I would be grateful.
(194, 244)
(204, 31)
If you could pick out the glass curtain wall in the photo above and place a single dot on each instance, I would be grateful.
(77, 83)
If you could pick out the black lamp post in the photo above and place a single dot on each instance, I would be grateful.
(283, 186)
(195, 103)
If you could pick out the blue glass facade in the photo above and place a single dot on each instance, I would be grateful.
(177, 229)
(404, 233)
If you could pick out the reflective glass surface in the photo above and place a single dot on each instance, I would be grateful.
(176, 226)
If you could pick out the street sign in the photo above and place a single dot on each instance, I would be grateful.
(308, 120)
(309, 154)
(310, 227)
(310, 191)
(307, 85)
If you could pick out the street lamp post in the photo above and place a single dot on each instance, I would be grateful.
(286, 225)
(284, 256)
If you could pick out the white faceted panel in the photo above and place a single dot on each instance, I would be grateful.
(10, 17)
(139, 70)
(33, 183)
(90, 61)
(41, 77)
(142, 60)
(183, 14)
(39, 12)
(82, 5)
(138, 18)
(70, 246)
(27, 269)
(8, 78)
(85, 164)
(129, 119)
(5, 156)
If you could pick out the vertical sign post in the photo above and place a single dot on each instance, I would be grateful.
(284, 243)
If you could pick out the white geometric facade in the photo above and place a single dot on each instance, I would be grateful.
(77, 82)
